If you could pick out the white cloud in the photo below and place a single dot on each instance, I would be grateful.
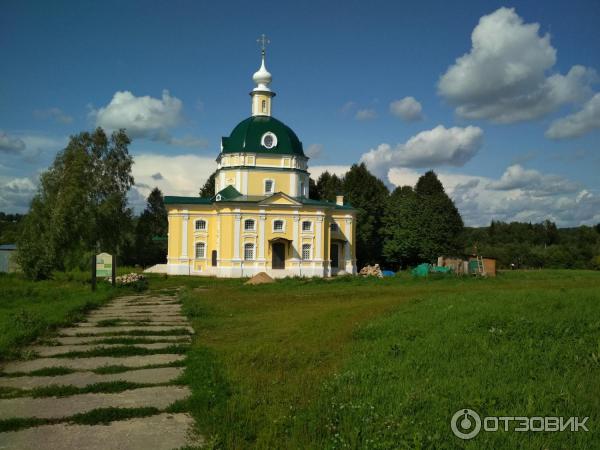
(56, 114)
(579, 123)
(16, 193)
(432, 148)
(480, 201)
(11, 144)
(314, 151)
(173, 175)
(504, 76)
(408, 109)
(517, 177)
(365, 114)
(145, 117)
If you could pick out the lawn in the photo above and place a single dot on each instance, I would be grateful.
(367, 363)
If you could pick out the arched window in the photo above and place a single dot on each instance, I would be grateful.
(249, 225)
(200, 250)
(302, 189)
(264, 106)
(248, 252)
(200, 225)
(306, 251)
(278, 225)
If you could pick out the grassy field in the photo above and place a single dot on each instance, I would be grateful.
(366, 363)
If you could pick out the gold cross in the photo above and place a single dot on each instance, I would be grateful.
(263, 41)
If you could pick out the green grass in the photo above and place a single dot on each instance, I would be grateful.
(109, 387)
(366, 363)
(101, 416)
(119, 369)
(122, 351)
(139, 340)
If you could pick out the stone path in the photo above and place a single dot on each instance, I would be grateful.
(134, 339)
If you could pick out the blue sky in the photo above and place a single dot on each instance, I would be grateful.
(512, 129)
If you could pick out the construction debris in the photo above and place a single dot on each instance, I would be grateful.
(127, 279)
(260, 278)
(371, 271)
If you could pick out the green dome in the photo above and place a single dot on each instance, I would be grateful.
(247, 137)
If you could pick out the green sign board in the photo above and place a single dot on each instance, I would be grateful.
(103, 265)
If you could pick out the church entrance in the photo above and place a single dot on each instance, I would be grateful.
(278, 250)
(335, 257)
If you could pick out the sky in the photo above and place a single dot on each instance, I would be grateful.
(502, 100)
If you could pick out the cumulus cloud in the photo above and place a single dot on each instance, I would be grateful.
(179, 175)
(16, 193)
(504, 76)
(579, 123)
(365, 114)
(11, 144)
(145, 117)
(56, 114)
(432, 148)
(480, 201)
(408, 109)
(517, 177)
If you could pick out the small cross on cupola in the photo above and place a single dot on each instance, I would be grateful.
(261, 94)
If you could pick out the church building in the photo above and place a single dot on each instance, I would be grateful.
(261, 218)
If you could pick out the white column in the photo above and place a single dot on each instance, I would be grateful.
(236, 236)
(238, 180)
(245, 183)
(218, 237)
(261, 236)
(294, 184)
(318, 234)
(184, 235)
(347, 254)
(296, 241)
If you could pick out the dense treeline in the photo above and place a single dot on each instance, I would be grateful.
(543, 245)
(81, 208)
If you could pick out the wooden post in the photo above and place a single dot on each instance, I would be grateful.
(94, 272)
(114, 270)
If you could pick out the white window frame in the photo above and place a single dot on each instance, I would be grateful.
(310, 229)
(197, 221)
(196, 244)
(272, 191)
(253, 225)
(264, 136)
(309, 246)
(282, 228)
(249, 246)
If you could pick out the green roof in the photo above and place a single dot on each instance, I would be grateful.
(228, 193)
(247, 136)
(176, 200)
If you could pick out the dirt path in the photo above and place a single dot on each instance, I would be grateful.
(107, 383)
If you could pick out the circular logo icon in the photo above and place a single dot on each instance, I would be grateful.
(466, 424)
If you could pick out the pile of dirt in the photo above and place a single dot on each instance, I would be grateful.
(260, 278)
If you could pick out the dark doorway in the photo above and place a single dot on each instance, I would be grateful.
(278, 256)
(334, 256)
(214, 258)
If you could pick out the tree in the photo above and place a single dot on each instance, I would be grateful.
(328, 186)
(439, 222)
(151, 231)
(400, 228)
(208, 190)
(367, 193)
(80, 206)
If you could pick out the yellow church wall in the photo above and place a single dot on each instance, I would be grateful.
(257, 178)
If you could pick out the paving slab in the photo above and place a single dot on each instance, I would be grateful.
(159, 432)
(82, 379)
(57, 407)
(74, 331)
(54, 350)
(90, 363)
(155, 310)
(110, 315)
(85, 340)
(136, 322)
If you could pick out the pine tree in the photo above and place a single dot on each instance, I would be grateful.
(329, 186)
(151, 231)
(400, 228)
(367, 193)
(208, 190)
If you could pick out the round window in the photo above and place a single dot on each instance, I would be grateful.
(269, 140)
